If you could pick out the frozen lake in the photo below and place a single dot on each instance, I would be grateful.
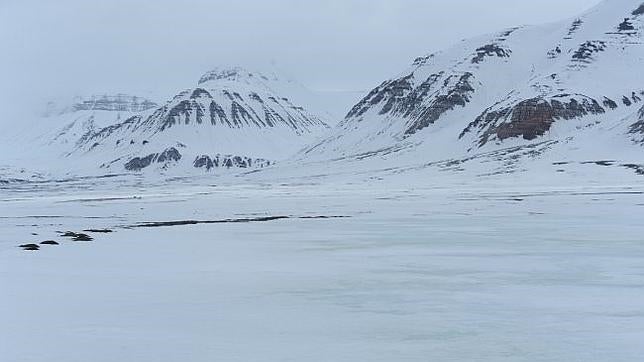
(406, 275)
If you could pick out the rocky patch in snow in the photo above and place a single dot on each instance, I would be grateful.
(165, 157)
(490, 50)
(118, 102)
(49, 242)
(637, 129)
(76, 236)
(229, 161)
(531, 118)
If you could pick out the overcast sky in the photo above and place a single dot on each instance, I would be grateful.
(62, 47)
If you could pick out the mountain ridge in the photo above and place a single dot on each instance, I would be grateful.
(517, 86)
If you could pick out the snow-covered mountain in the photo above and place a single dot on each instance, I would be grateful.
(63, 124)
(574, 86)
(232, 118)
(103, 102)
(56, 129)
(563, 93)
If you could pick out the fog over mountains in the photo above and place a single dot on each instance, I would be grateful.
(527, 96)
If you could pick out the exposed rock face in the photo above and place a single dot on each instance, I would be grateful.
(637, 128)
(626, 25)
(588, 49)
(77, 236)
(387, 94)
(221, 102)
(639, 11)
(119, 102)
(450, 97)
(229, 161)
(531, 118)
(627, 102)
(609, 103)
(576, 25)
(490, 50)
(203, 162)
(229, 109)
(234, 110)
(423, 104)
(512, 85)
(171, 154)
(139, 163)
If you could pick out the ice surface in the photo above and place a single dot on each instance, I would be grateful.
(519, 273)
(363, 246)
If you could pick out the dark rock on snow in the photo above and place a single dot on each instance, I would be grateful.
(139, 163)
(49, 242)
(77, 236)
(104, 231)
(229, 161)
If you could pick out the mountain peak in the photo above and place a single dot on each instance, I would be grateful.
(545, 83)
(114, 102)
(117, 102)
(236, 74)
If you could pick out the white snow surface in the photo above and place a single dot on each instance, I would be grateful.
(499, 271)
(365, 244)
(231, 112)
(543, 62)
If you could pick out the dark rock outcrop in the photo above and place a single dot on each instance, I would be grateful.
(170, 154)
(490, 50)
(229, 161)
(574, 27)
(388, 92)
(203, 161)
(626, 25)
(102, 231)
(639, 11)
(638, 127)
(531, 118)
(586, 50)
(457, 95)
(422, 105)
(139, 163)
(77, 236)
(201, 106)
(200, 92)
(609, 103)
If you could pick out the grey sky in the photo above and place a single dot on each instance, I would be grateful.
(78, 46)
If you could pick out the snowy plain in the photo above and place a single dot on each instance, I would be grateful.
(496, 270)
(366, 245)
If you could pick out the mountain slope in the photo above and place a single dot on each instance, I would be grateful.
(232, 118)
(37, 141)
(87, 115)
(519, 87)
